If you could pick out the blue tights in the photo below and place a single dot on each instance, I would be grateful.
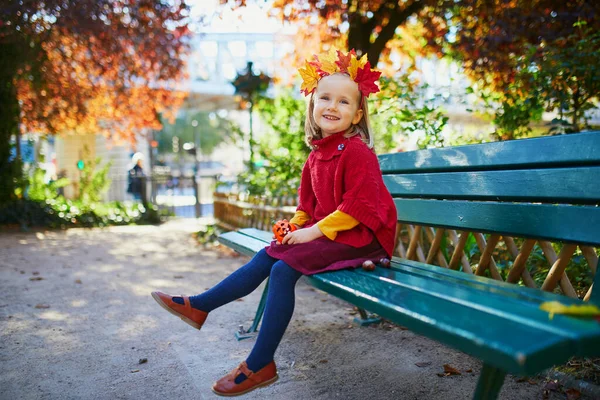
(279, 307)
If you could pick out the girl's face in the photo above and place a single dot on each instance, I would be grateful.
(336, 104)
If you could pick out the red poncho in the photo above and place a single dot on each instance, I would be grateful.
(343, 174)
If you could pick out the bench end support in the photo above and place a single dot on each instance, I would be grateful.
(365, 319)
(489, 383)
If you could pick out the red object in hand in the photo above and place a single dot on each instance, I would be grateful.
(282, 228)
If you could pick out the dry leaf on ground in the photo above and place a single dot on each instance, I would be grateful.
(448, 369)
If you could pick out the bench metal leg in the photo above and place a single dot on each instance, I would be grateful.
(490, 382)
(364, 319)
(242, 334)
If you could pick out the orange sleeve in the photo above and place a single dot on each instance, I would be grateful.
(335, 222)
(300, 218)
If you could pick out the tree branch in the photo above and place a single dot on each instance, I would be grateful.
(387, 32)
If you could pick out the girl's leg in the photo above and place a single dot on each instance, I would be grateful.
(278, 313)
(239, 284)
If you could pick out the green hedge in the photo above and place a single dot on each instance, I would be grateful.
(63, 213)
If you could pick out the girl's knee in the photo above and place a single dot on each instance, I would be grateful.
(263, 256)
(281, 270)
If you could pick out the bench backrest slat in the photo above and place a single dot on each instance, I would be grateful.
(543, 221)
(544, 152)
(542, 188)
(554, 185)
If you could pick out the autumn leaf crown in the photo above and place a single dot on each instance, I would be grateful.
(334, 61)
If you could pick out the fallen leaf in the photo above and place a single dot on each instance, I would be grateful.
(143, 361)
(448, 369)
(469, 370)
(324, 361)
(423, 364)
(572, 394)
(78, 281)
(579, 310)
(442, 375)
(36, 278)
(42, 305)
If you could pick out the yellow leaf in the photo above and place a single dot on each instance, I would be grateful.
(328, 61)
(310, 77)
(355, 64)
(579, 310)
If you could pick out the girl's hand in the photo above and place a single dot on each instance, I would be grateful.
(302, 235)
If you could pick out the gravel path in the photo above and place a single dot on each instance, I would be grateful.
(76, 320)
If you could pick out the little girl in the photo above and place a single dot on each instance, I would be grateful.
(345, 213)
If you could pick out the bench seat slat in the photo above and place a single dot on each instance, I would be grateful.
(536, 185)
(578, 224)
(556, 151)
(241, 243)
(504, 307)
(525, 350)
(455, 313)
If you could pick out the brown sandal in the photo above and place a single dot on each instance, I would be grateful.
(226, 386)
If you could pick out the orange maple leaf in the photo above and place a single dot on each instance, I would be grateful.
(344, 60)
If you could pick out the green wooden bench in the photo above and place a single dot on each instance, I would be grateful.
(542, 188)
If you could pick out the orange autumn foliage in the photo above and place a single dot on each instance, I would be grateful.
(112, 74)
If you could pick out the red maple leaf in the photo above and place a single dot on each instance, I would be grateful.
(344, 60)
(366, 80)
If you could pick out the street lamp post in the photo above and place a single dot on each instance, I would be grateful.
(197, 179)
(247, 85)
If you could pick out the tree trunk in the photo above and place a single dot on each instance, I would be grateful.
(576, 111)
(10, 171)
(362, 28)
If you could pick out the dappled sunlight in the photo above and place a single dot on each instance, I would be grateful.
(108, 268)
(79, 303)
(456, 158)
(57, 343)
(16, 324)
(116, 302)
(136, 326)
(145, 289)
(92, 306)
(54, 315)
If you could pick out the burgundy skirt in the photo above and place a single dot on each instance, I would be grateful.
(323, 254)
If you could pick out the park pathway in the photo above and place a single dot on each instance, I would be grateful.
(77, 322)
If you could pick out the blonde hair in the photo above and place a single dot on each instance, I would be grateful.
(363, 128)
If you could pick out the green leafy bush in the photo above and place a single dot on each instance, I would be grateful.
(402, 110)
(63, 213)
(282, 152)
